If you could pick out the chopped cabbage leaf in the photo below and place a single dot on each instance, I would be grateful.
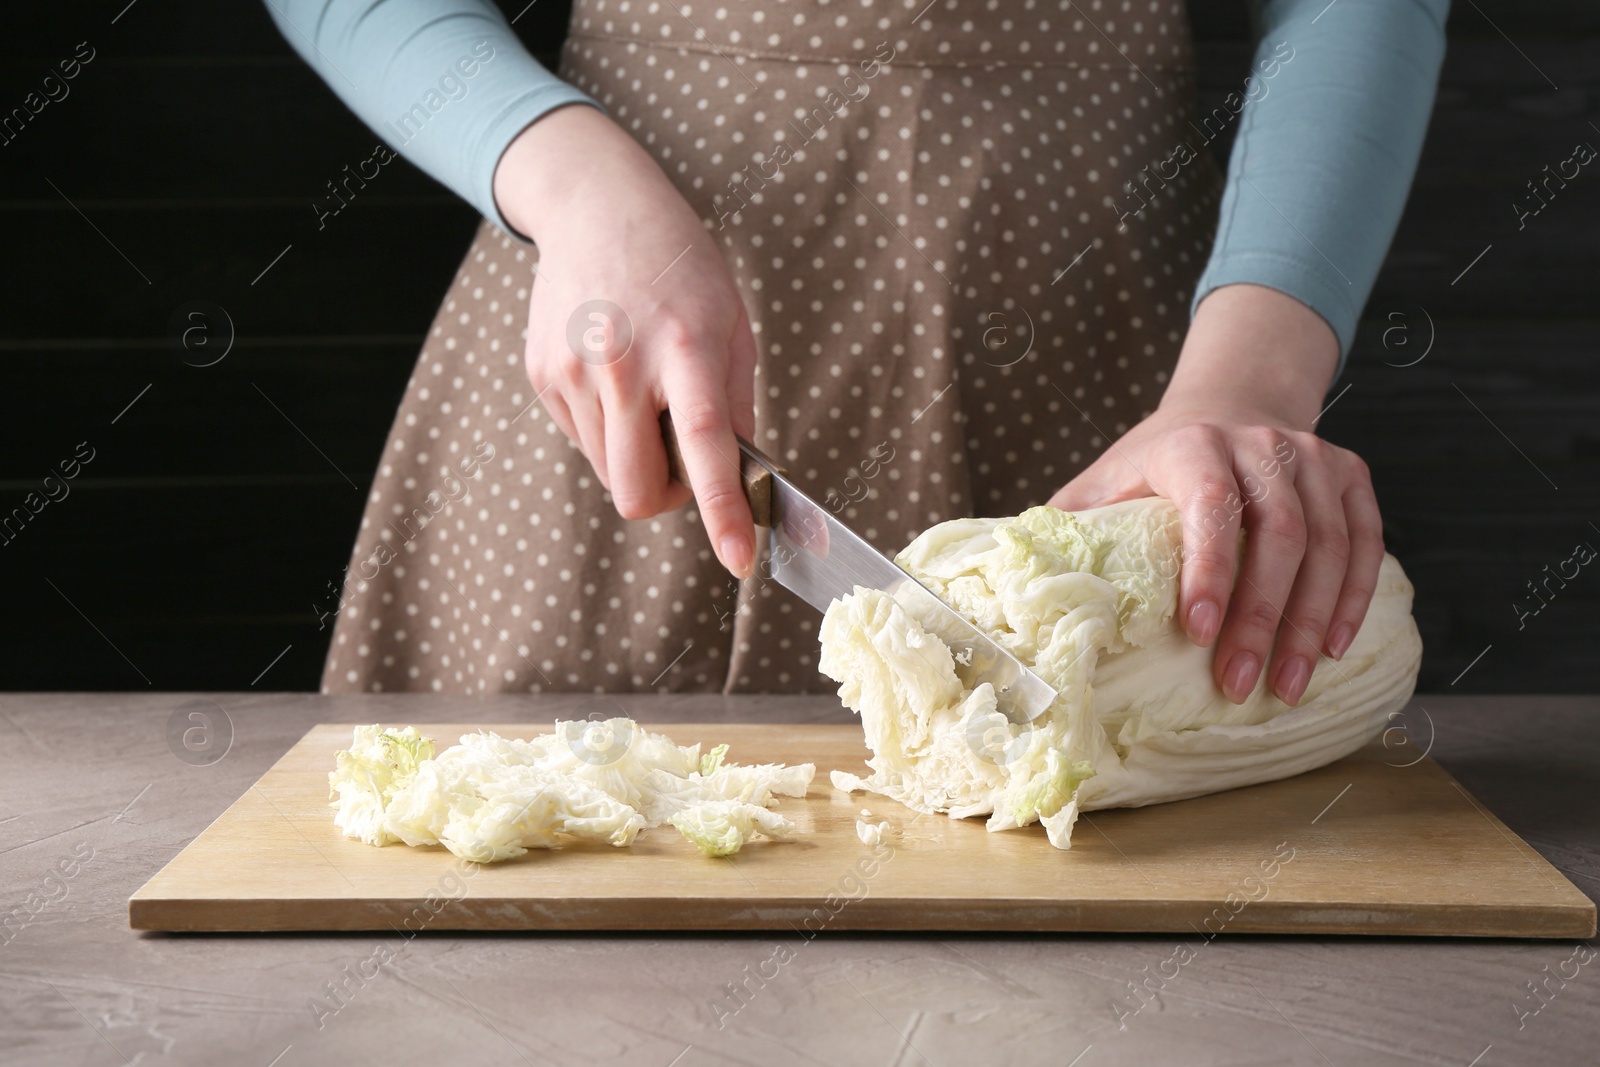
(713, 759)
(492, 798)
(1087, 600)
(485, 810)
(366, 777)
(757, 785)
(721, 827)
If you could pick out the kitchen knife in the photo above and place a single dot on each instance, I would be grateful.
(818, 558)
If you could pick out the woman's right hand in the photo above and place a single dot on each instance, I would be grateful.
(611, 228)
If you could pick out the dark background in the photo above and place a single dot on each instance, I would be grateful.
(191, 550)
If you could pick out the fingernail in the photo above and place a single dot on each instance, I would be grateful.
(736, 552)
(1292, 679)
(1204, 619)
(1240, 677)
(1339, 640)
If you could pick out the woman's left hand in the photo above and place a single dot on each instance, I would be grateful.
(1232, 445)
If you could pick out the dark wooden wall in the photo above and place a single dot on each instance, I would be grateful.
(190, 551)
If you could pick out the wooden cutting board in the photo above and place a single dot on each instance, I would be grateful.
(1363, 846)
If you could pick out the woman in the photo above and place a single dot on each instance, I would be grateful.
(946, 261)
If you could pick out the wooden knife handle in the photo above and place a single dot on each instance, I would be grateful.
(757, 479)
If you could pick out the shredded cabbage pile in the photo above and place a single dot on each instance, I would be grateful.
(491, 798)
(1088, 601)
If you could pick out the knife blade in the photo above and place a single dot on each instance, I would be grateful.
(820, 559)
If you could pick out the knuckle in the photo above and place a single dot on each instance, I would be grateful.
(1332, 544)
(1268, 437)
(1259, 616)
(1200, 438)
(1211, 491)
(1283, 526)
(677, 335)
(1306, 446)
(702, 416)
(720, 506)
(566, 374)
(719, 497)
(1213, 505)
(1208, 560)
(1359, 594)
(1310, 625)
(614, 375)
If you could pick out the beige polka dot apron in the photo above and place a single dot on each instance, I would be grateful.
(923, 207)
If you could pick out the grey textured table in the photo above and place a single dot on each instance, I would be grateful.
(95, 776)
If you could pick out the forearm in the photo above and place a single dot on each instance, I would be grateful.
(446, 83)
(1326, 150)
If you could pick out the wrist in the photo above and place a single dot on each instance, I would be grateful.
(542, 176)
(1255, 352)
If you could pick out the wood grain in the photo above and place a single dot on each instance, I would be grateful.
(1363, 847)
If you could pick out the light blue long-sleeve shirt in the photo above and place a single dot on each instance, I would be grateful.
(1317, 179)
(1323, 162)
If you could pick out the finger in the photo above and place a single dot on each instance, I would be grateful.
(636, 457)
(1365, 526)
(1108, 480)
(556, 408)
(1090, 489)
(1203, 487)
(742, 380)
(1316, 587)
(589, 421)
(1275, 543)
(698, 400)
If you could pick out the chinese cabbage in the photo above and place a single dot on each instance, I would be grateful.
(1088, 601)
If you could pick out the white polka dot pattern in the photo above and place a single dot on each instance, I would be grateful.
(922, 216)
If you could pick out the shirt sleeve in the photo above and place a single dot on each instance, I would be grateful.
(1334, 114)
(446, 83)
